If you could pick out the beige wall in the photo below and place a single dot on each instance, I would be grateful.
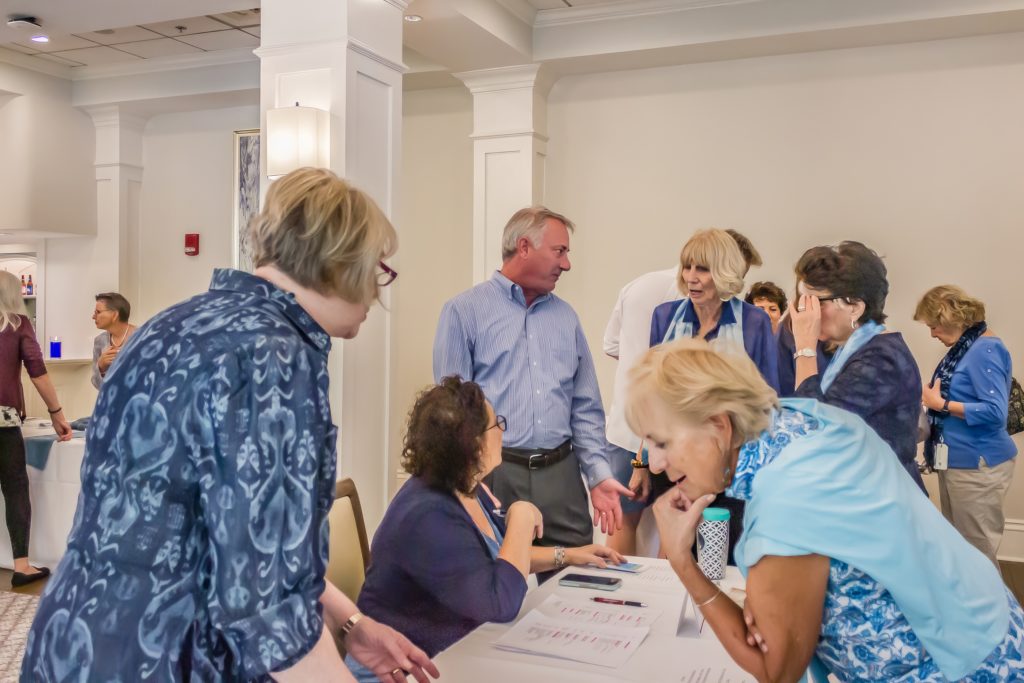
(187, 187)
(916, 150)
(435, 229)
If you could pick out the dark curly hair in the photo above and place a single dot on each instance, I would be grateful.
(850, 270)
(770, 291)
(446, 427)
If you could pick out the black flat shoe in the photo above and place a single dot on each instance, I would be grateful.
(20, 579)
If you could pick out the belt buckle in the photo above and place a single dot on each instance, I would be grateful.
(539, 460)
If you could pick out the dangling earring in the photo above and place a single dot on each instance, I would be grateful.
(854, 324)
(725, 475)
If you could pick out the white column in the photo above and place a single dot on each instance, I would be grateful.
(509, 152)
(346, 57)
(118, 186)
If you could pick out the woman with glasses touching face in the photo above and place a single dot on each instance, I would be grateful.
(447, 557)
(872, 374)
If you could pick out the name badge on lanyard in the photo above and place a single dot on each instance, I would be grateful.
(941, 456)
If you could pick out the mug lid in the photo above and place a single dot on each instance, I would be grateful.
(716, 514)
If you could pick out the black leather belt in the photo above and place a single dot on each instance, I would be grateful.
(537, 458)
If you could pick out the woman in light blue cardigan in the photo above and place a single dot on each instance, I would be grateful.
(850, 571)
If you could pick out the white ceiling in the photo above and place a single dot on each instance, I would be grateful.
(120, 44)
(93, 38)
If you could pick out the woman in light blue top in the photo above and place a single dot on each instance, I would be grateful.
(849, 570)
(967, 401)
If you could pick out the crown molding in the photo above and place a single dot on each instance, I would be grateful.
(510, 134)
(625, 10)
(365, 50)
(501, 78)
(32, 64)
(158, 64)
(109, 115)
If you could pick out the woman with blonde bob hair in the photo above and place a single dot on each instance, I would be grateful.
(711, 272)
(839, 576)
(967, 401)
(201, 529)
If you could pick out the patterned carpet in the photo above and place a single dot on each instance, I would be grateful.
(16, 613)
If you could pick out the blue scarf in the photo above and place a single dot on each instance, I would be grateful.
(680, 328)
(861, 336)
(944, 372)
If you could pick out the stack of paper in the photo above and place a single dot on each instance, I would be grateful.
(605, 635)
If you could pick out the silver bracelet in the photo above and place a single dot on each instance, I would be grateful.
(559, 557)
(718, 592)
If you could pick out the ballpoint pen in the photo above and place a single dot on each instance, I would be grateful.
(613, 601)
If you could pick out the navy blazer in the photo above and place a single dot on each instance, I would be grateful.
(881, 384)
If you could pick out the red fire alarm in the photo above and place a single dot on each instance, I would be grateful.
(192, 244)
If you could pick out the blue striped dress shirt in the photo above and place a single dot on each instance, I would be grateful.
(533, 364)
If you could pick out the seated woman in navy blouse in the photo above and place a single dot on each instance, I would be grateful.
(712, 268)
(446, 557)
(842, 296)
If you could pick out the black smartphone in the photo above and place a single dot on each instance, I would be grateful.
(601, 583)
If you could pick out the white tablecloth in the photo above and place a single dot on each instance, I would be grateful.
(662, 657)
(54, 493)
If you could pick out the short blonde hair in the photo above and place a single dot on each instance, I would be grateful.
(949, 306)
(717, 251)
(531, 224)
(697, 380)
(324, 234)
(11, 303)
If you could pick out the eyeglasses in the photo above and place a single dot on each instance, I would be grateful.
(499, 422)
(388, 276)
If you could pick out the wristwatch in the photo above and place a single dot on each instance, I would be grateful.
(945, 407)
(806, 353)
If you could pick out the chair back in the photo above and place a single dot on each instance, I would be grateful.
(349, 548)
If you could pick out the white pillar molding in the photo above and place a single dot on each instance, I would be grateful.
(346, 58)
(118, 188)
(509, 152)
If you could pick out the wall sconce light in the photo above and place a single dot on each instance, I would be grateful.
(296, 137)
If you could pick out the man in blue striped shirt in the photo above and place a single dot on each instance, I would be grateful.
(525, 347)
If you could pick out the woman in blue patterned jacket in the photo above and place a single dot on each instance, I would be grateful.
(200, 540)
(849, 569)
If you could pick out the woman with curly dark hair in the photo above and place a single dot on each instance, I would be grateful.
(872, 374)
(447, 557)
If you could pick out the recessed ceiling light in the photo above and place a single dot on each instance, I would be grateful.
(40, 38)
(413, 18)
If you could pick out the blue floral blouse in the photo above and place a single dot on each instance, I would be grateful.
(864, 634)
(200, 540)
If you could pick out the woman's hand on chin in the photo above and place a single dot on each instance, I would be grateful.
(677, 517)
(598, 555)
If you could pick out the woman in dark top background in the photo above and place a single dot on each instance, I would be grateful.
(446, 557)
(872, 374)
(18, 347)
